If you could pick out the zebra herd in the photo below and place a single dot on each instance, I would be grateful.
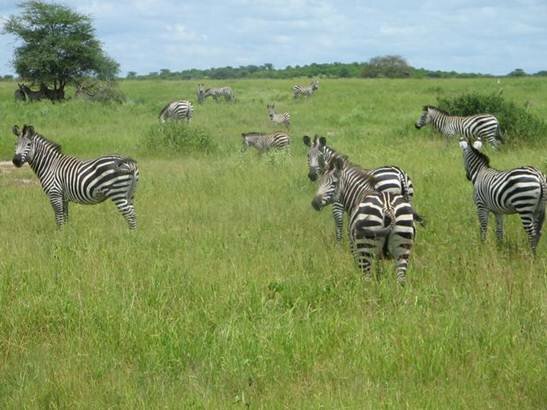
(378, 201)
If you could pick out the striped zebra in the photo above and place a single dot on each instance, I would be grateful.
(519, 190)
(305, 91)
(388, 178)
(264, 142)
(32, 95)
(381, 224)
(479, 127)
(279, 118)
(216, 93)
(177, 110)
(67, 179)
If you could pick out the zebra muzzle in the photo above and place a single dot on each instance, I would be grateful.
(17, 161)
(316, 203)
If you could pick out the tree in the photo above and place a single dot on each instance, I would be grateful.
(58, 46)
(517, 72)
(391, 66)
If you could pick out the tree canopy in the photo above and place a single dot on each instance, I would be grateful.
(58, 46)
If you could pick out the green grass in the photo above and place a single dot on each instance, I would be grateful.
(232, 292)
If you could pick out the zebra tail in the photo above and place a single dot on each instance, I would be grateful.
(500, 136)
(375, 233)
(128, 166)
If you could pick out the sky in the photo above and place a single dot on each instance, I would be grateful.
(491, 37)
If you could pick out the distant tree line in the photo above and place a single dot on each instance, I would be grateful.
(389, 66)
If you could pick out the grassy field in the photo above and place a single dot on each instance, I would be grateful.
(232, 292)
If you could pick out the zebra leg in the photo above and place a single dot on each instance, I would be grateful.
(483, 221)
(529, 224)
(338, 215)
(127, 209)
(499, 227)
(56, 201)
(65, 211)
(363, 254)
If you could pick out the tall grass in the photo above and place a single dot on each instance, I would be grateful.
(232, 292)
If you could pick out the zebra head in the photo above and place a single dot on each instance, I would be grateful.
(249, 139)
(315, 85)
(24, 150)
(329, 184)
(425, 117)
(200, 93)
(473, 159)
(271, 110)
(316, 156)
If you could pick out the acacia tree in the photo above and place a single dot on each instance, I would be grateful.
(58, 46)
(391, 66)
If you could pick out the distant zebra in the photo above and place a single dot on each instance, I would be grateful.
(216, 93)
(519, 190)
(19, 95)
(281, 118)
(305, 91)
(479, 127)
(32, 95)
(65, 178)
(177, 110)
(264, 142)
(388, 178)
(380, 223)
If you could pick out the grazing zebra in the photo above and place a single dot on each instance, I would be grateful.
(305, 91)
(216, 93)
(281, 118)
(264, 142)
(65, 178)
(519, 190)
(387, 178)
(19, 95)
(177, 110)
(32, 95)
(479, 126)
(380, 223)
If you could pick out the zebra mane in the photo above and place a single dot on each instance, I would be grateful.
(432, 107)
(48, 143)
(483, 157)
(245, 134)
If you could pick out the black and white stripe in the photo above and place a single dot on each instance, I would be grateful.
(216, 93)
(67, 179)
(381, 224)
(177, 110)
(264, 142)
(520, 190)
(478, 127)
(305, 90)
(388, 178)
(279, 118)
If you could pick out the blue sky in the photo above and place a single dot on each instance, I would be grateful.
(463, 35)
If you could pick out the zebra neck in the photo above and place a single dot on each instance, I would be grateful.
(43, 158)
(473, 165)
(352, 189)
(440, 120)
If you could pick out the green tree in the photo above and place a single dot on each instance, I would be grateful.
(58, 46)
(391, 66)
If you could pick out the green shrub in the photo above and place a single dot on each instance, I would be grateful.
(178, 137)
(516, 122)
(101, 91)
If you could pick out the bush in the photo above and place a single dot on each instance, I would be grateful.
(516, 122)
(101, 91)
(178, 137)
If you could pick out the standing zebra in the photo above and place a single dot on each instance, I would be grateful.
(279, 118)
(519, 190)
(388, 178)
(264, 142)
(479, 127)
(216, 93)
(32, 95)
(305, 91)
(65, 178)
(380, 223)
(177, 110)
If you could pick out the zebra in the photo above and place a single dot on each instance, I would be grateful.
(380, 223)
(19, 95)
(67, 179)
(177, 110)
(306, 91)
(478, 126)
(32, 95)
(216, 93)
(519, 190)
(388, 178)
(279, 118)
(264, 142)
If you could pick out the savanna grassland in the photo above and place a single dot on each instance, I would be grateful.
(232, 292)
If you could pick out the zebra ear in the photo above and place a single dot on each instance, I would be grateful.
(15, 130)
(463, 143)
(322, 141)
(306, 140)
(477, 145)
(339, 163)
